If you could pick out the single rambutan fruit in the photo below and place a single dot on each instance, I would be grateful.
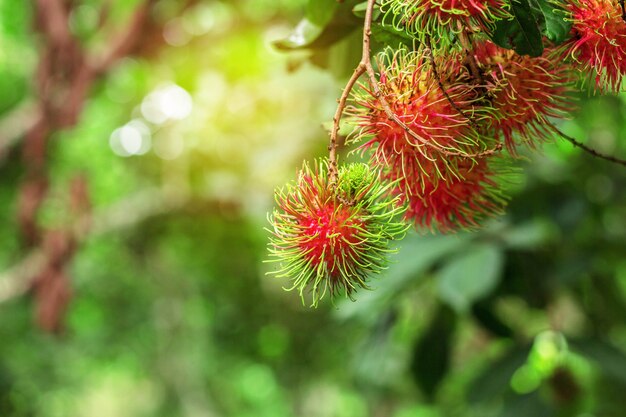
(330, 239)
(462, 199)
(525, 92)
(440, 18)
(599, 40)
(436, 126)
(458, 202)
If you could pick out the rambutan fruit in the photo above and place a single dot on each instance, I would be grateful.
(330, 239)
(525, 92)
(598, 43)
(458, 202)
(440, 18)
(437, 109)
(461, 199)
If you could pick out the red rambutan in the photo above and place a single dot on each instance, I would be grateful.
(459, 202)
(330, 239)
(435, 125)
(439, 18)
(525, 92)
(599, 40)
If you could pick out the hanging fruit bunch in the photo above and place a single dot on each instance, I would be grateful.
(439, 114)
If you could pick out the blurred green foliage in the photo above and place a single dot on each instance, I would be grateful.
(173, 316)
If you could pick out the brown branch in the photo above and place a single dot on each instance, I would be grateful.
(586, 148)
(127, 40)
(333, 170)
(53, 19)
(64, 78)
(19, 122)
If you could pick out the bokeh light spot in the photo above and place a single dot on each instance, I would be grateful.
(131, 139)
(170, 102)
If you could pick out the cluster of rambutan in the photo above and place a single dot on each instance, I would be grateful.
(596, 45)
(455, 109)
(439, 126)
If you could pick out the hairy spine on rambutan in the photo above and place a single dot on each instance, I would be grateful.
(436, 179)
(525, 92)
(598, 42)
(329, 239)
(442, 18)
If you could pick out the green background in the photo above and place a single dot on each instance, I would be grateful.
(172, 314)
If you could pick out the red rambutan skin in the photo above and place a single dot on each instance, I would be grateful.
(599, 40)
(328, 235)
(456, 202)
(526, 91)
(459, 201)
(328, 229)
(446, 10)
(413, 93)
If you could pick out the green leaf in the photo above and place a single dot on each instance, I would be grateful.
(340, 58)
(527, 405)
(326, 23)
(484, 314)
(611, 360)
(416, 256)
(390, 36)
(470, 276)
(530, 235)
(494, 381)
(304, 35)
(431, 357)
(320, 12)
(521, 33)
(556, 25)
(360, 9)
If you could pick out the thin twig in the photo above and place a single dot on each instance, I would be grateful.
(333, 170)
(358, 71)
(586, 148)
(466, 44)
(442, 88)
